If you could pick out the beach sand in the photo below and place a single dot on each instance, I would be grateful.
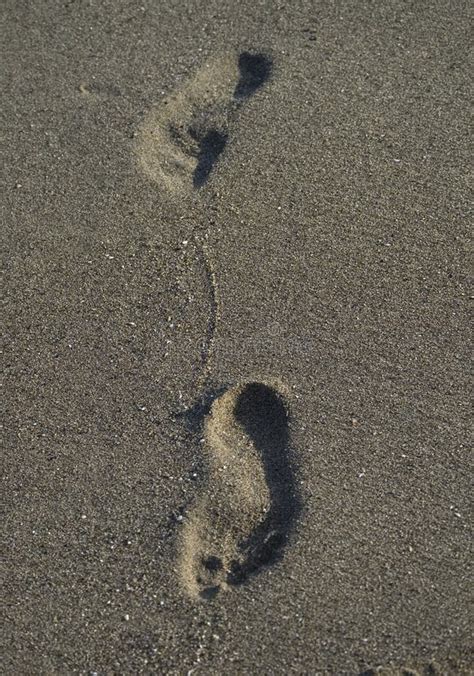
(236, 429)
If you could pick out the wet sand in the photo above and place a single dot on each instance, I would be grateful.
(236, 416)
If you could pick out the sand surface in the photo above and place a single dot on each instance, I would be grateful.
(235, 238)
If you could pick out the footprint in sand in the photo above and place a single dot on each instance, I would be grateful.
(243, 519)
(180, 140)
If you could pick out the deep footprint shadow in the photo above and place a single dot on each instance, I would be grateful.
(247, 510)
(211, 146)
(255, 70)
(181, 140)
(261, 412)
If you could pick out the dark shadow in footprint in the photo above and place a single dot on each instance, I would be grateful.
(254, 70)
(261, 411)
(211, 146)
